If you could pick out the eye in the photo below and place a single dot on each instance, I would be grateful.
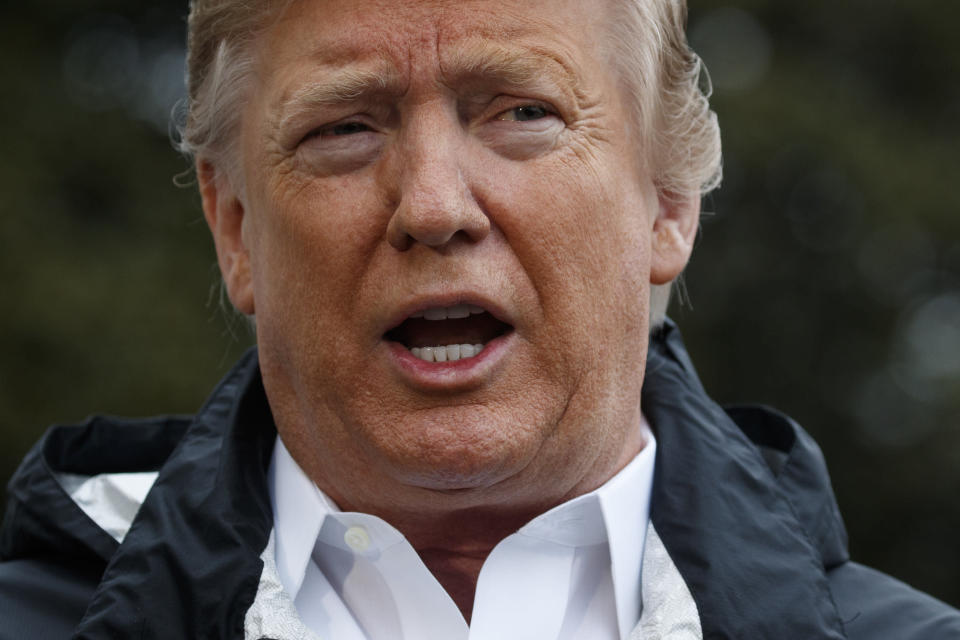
(524, 113)
(340, 129)
(340, 146)
(344, 129)
(522, 128)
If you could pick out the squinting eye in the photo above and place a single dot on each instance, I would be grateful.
(525, 113)
(345, 129)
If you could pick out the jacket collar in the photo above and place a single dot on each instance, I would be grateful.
(42, 520)
(189, 567)
(751, 540)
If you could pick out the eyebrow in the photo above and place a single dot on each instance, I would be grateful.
(522, 67)
(346, 84)
(477, 60)
(482, 59)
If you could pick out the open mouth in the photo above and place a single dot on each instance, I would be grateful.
(448, 334)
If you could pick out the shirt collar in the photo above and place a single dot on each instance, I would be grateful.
(623, 506)
(623, 502)
(299, 509)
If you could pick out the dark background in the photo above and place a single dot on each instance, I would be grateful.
(826, 281)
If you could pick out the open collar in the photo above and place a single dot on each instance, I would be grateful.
(622, 503)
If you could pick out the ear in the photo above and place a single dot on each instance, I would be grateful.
(674, 230)
(225, 214)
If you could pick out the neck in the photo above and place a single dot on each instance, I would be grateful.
(454, 547)
(454, 532)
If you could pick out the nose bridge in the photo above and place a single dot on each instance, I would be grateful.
(435, 201)
(431, 170)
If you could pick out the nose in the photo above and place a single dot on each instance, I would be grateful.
(435, 203)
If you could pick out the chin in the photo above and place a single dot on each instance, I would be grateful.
(457, 451)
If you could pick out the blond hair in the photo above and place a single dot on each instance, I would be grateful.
(677, 133)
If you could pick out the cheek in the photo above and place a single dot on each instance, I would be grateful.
(582, 241)
(311, 244)
(581, 236)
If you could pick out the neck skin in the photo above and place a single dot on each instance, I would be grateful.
(455, 547)
(454, 543)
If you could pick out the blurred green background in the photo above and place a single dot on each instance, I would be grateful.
(826, 281)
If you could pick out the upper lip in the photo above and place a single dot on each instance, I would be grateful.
(428, 301)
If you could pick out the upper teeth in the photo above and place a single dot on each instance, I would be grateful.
(449, 353)
(454, 312)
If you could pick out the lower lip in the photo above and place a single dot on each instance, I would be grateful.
(449, 375)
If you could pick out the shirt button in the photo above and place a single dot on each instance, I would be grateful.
(357, 538)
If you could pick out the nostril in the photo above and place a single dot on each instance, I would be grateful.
(434, 222)
(397, 237)
(402, 240)
(429, 230)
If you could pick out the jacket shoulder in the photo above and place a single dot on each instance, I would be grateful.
(42, 599)
(871, 604)
(874, 606)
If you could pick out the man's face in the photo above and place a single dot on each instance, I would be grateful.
(404, 158)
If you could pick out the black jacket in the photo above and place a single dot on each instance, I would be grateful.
(741, 500)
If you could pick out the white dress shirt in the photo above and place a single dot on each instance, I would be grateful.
(572, 572)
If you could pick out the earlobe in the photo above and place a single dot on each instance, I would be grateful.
(224, 213)
(674, 231)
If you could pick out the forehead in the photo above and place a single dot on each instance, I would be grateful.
(404, 36)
